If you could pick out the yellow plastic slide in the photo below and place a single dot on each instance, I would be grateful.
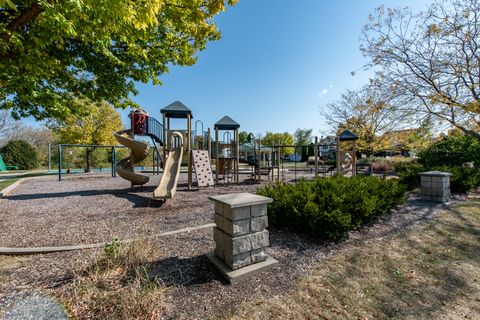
(168, 184)
(139, 151)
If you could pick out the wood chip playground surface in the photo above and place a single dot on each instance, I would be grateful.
(95, 208)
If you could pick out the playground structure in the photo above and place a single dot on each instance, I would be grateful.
(227, 151)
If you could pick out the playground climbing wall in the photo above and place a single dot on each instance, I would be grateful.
(203, 169)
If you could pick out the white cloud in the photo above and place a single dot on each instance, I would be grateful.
(322, 93)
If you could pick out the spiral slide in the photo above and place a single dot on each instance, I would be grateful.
(168, 184)
(139, 151)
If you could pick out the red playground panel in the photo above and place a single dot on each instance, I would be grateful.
(139, 122)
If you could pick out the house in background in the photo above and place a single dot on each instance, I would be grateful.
(327, 147)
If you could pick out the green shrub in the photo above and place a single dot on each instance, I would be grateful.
(408, 173)
(451, 151)
(21, 154)
(464, 179)
(328, 208)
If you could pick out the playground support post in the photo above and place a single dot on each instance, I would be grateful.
(49, 157)
(59, 162)
(315, 153)
(209, 144)
(216, 156)
(114, 160)
(189, 150)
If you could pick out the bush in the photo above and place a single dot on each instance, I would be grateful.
(21, 154)
(328, 208)
(451, 151)
(464, 179)
(408, 173)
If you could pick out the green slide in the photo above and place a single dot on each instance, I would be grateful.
(3, 167)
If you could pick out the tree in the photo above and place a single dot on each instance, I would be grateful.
(96, 127)
(430, 60)
(303, 137)
(19, 153)
(243, 136)
(279, 139)
(38, 137)
(7, 126)
(368, 112)
(53, 52)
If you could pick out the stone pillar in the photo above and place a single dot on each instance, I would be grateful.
(240, 235)
(435, 186)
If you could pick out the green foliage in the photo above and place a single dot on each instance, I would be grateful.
(282, 139)
(463, 180)
(408, 173)
(111, 249)
(21, 154)
(53, 52)
(452, 151)
(328, 208)
(243, 137)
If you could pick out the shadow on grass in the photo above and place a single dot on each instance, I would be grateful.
(428, 271)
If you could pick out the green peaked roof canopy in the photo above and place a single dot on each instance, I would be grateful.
(226, 123)
(347, 135)
(176, 110)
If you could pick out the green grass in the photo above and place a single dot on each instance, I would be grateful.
(9, 181)
(5, 183)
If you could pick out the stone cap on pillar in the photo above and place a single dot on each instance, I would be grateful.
(237, 200)
(435, 174)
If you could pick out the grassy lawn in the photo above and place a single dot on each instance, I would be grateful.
(431, 271)
(8, 181)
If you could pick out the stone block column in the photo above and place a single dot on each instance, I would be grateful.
(240, 235)
(435, 186)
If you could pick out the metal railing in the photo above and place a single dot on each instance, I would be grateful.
(155, 130)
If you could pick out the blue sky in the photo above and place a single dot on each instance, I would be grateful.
(277, 64)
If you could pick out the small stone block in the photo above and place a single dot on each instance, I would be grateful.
(440, 179)
(258, 255)
(258, 210)
(236, 228)
(425, 184)
(234, 214)
(219, 221)
(258, 224)
(237, 245)
(235, 276)
(219, 208)
(440, 185)
(259, 240)
(425, 179)
(238, 261)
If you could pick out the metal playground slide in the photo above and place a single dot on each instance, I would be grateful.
(139, 151)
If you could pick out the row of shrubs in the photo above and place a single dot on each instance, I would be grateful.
(330, 207)
(458, 154)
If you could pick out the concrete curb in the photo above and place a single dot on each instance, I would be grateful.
(39, 250)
